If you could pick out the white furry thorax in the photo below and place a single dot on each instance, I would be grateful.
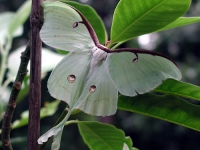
(98, 56)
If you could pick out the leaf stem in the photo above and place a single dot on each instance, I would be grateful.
(70, 122)
(116, 45)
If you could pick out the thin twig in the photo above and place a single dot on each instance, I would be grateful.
(7, 118)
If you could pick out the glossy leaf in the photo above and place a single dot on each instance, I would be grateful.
(144, 16)
(5, 21)
(94, 19)
(179, 88)
(100, 136)
(182, 21)
(47, 64)
(166, 107)
(48, 110)
(128, 144)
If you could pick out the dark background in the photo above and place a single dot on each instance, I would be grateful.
(181, 44)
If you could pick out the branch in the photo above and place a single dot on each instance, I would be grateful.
(35, 77)
(7, 118)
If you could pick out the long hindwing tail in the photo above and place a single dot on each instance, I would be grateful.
(99, 96)
(132, 77)
(61, 29)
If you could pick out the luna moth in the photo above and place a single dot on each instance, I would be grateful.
(90, 77)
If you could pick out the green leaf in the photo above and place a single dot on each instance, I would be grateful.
(20, 17)
(4, 100)
(182, 21)
(135, 17)
(5, 21)
(47, 64)
(128, 144)
(99, 136)
(48, 110)
(166, 107)
(179, 88)
(93, 18)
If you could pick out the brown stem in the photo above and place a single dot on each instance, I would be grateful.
(35, 77)
(7, 118)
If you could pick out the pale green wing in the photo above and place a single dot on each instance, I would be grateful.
(99, 95)
(67, 79)
(133, 77)
(60, 29)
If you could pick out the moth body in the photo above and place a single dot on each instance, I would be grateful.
(98, 56)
